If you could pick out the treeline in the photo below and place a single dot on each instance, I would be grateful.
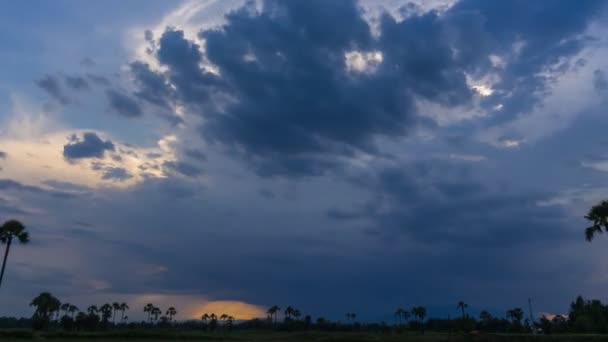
(585, 316)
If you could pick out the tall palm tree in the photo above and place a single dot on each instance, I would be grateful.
(516, 315)
(92, 309)
(296, 314)
(171, 312)
(288, 311)
(65, 307)
(419, 312)
(205, 318)
(273, 311)
(123, 307)
(148, 309)
(72, 310)
(45, 304)
(156, 312)
(9, 230)
(462, 305)
(598, 215)
(106, 312)
(115, 308)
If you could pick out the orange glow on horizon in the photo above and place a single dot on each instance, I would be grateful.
(239, 310)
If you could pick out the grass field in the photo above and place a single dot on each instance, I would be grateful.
(255, 336)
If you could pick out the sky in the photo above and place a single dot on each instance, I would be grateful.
(336, 156)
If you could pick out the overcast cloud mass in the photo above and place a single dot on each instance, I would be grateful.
(338, 156)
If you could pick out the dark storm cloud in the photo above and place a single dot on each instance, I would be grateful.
(77, 82)
(90, 146)
(52, 86)
(186, 169)
(123, 104)
(195, 154)
(464, 211)
(119, 174)
(152, 86)
(284, 96)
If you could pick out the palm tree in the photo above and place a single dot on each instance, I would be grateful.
(598, 214)
(462, 305)
(273, 311)
(92, 310)
(288, 311)
(148, 309)
(419, 312)
(516, 315)
(45, 304)
(9, 230)
(106, 312)
(171, 312)
(123, 307)
(296, 314)
(156, 312)
(115, 308)
(205, 318)
(65, 307)
(72, 309)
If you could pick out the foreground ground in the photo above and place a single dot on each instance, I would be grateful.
(254, 336)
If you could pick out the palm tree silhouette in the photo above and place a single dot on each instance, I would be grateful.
(598, 215)
(106, 312)
(419, 312)
(205, 318)
(123, 307)
(9, 230)
(288, 311)
(296, 314)
(115, 308)
(171, 312)
(92, 309)
(462, 305)
(72, 310)
(156, 312)
(273, 311)
(65, 307)
(45, 304)
(148, 309)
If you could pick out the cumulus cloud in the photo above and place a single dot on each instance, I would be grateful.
(353, 87)
(90, 146)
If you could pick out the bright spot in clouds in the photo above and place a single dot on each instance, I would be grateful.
(363, 62)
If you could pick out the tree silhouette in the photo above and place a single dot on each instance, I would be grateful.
(45, 304)
(598, 215)
(115, 308)
(516, 315)
(288, 312)
(148, 309)
(72, 310)
(9, 230)
(156, 312)
(171, 312)
(65, 307)
(92, 310)
(462, 306)
(419, 312)
(273, 311)
(123, 307)
(106, 312)
(296, 314)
